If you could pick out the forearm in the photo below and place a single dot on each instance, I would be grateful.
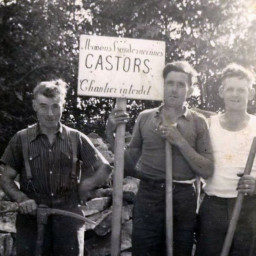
(110, 139)
(11, 189)
(131, 158)
(96, 180)
(201, 165)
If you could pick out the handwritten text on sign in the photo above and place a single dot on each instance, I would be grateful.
(121, 67)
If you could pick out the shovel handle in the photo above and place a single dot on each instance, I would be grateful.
(238, 204)
(169, 199)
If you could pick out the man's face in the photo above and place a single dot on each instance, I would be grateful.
(176, 89)
(236, 93)
(48, 110)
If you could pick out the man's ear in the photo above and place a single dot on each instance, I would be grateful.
(34, 105)
(251, 93)
(221, 91)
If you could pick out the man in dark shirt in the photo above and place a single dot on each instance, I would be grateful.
(47, 157)
(187, 131)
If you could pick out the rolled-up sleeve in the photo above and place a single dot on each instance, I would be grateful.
(89, 155)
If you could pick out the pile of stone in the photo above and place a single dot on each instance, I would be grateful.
(7, 227)
(98, 209)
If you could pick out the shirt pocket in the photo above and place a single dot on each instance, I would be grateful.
(66, 162)
(35, 162)
(66, 158)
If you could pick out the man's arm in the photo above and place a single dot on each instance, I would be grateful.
(102, 172)
(8, 174)
(201, 163)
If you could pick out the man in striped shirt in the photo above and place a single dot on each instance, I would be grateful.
(47, 157)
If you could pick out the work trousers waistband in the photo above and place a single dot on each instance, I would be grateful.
(69, 198)
(161, 183)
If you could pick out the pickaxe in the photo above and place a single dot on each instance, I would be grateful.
(43, 212)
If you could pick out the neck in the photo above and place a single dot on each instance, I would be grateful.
(234, 121)
(236, 115)
(49, 131)
(174, 110)
(172, 113)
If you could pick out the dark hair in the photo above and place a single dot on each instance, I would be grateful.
(181, 66)
(52, 89)
(236, 70)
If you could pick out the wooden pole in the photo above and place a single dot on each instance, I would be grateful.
(118, 184)
(238, 204)
(169, 199)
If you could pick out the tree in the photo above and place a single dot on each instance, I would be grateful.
(39, 40)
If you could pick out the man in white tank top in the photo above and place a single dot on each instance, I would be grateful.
(231, 133)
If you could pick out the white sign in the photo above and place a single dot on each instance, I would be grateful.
(121, 67)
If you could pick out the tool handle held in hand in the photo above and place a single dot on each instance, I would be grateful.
(238, 204)
(169, 199)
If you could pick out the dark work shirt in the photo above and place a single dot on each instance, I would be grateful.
(148, 145)
(51, 165)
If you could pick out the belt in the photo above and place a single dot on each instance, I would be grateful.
(226, 199)
(161, 183)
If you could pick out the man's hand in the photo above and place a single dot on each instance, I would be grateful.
(172, 134)
(28, 207)
(83, 196)
(246, 184)
(115, 118)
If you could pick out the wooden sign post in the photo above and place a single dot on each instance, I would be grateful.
(118, 184)
(121, 68)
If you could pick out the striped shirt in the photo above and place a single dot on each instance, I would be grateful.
(51, 165)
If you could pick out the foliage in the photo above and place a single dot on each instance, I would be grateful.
(39, 40)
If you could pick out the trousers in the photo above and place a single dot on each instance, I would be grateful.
(214, 217)
(63, 236)
(148, 237)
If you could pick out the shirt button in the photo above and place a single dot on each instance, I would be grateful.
(50, 150)
(50, 172)
(52, 194)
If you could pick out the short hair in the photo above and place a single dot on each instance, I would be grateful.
(181, 66)
(236, 70)
(51, 89)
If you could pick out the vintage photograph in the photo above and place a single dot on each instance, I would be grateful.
(127, 128)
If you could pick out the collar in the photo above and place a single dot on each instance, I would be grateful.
(36, 131)
(186, 114)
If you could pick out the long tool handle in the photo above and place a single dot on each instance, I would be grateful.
(238, 204)
(118, 184)
(169, 199)
(40, 239)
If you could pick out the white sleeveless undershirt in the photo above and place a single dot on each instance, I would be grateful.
(230, 150)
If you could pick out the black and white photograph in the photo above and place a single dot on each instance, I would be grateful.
(128, 128)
